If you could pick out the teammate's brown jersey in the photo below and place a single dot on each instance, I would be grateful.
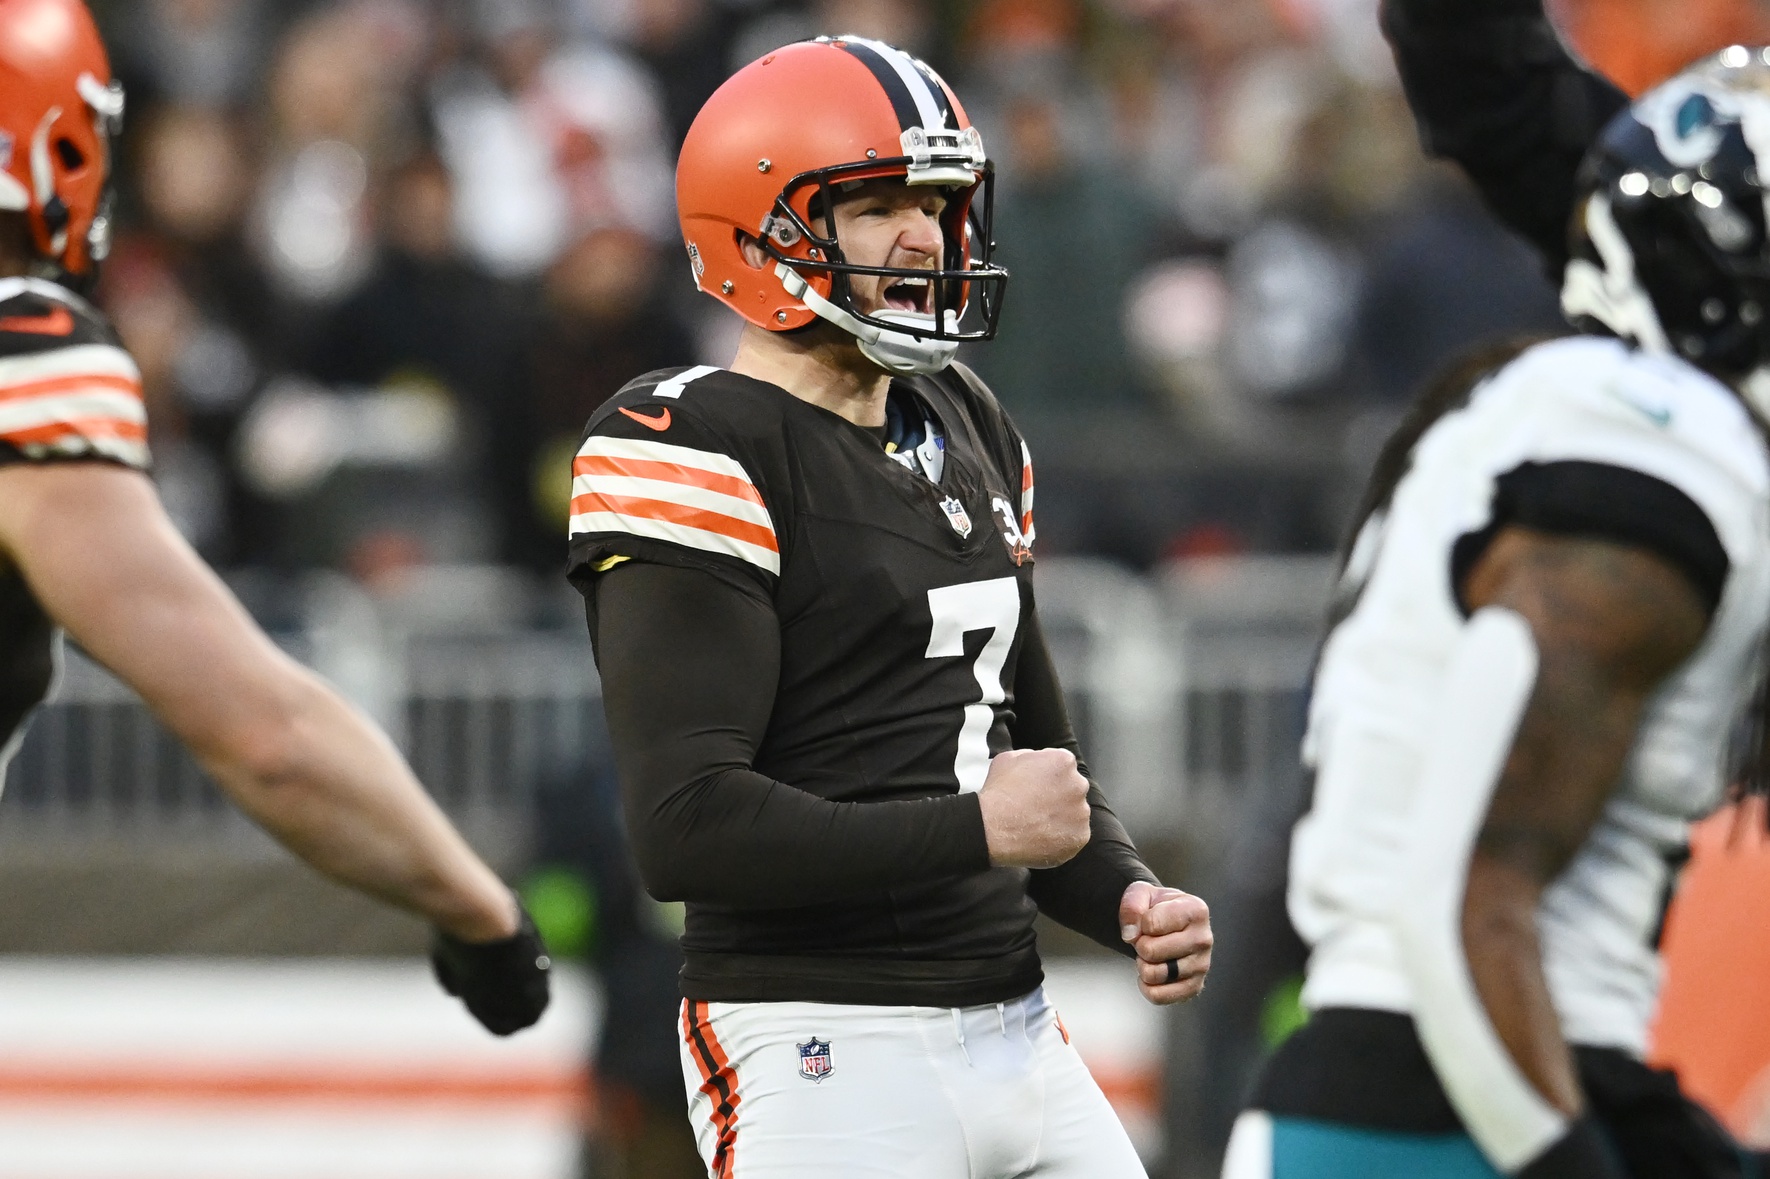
(68, 392)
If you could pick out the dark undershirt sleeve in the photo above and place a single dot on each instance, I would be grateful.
(1579, 498)
(1084, 893)
(689, 666)
(1493, 89)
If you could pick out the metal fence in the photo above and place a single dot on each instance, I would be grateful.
(1185, 687)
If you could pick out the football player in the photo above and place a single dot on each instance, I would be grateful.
(85, 546)
(840, 737)
(1553, 617)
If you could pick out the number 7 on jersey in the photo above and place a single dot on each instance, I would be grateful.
(958, 610)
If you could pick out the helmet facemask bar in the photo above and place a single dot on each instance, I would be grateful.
(967, 222)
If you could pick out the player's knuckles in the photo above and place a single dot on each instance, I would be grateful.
(1053, 762)
(1060, 759)
(1172, 916)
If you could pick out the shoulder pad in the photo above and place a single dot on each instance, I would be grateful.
(38, 316)
(67, 387)
(652, 466)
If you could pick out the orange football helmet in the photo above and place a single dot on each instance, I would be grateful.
(59, 107)
(772, 146)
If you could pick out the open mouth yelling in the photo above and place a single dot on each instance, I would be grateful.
(911, 294)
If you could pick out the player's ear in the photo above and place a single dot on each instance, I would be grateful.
(752, 250)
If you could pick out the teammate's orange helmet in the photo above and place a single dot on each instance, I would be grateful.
(779, 139)
(58, 109)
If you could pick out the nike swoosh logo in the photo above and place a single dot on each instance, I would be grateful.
(660, 423)
(57, 323)
(1659, 415)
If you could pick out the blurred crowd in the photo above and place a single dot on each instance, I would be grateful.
(380, 259)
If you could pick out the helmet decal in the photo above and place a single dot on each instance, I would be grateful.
(1685, 122)
(915, 92)
(1611, 294)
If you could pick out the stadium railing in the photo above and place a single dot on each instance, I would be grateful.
(1186, 687)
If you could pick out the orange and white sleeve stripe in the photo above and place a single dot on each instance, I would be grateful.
(697, 498)
(1026, 494)
(73, 402)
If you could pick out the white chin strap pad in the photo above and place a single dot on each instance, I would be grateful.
(1491, 675)
(896, 352)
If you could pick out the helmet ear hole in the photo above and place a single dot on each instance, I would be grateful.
(750, 246)
(72, 158)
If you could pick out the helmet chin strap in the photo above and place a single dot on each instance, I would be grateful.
(896, 352)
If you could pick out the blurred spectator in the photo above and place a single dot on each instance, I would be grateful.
(193, 307)
(1072, 236)
(605, 319)
(1444, 276)
(545, 143)
(190, 52)
(165, 333)
(426, 320)
(337, 104)
(195, 179)
(684, 44)
(1214, 122)
(1223, 266)
(907, 24)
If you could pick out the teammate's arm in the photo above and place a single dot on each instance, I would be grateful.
(1107, 892)
(98, 552)
(1493, 88)
(1610, 622)
(690, 664)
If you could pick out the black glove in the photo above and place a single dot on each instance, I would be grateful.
(1584, 1152)
(1656, 1129)
(503, 983)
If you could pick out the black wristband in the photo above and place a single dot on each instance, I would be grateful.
(1584, 1152)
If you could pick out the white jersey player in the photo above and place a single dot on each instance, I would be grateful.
(1553, 620)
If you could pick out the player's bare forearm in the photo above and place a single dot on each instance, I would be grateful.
(1610, 622)
(100, 555)
(334, 790)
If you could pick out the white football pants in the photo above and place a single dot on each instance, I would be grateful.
(828, 1090)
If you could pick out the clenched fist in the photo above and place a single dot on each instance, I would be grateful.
(1170, 931)
(1035, 808)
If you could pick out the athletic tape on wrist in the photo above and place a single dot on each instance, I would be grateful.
(1489, 682)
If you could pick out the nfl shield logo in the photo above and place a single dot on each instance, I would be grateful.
(955, 515)
(814, 1060)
